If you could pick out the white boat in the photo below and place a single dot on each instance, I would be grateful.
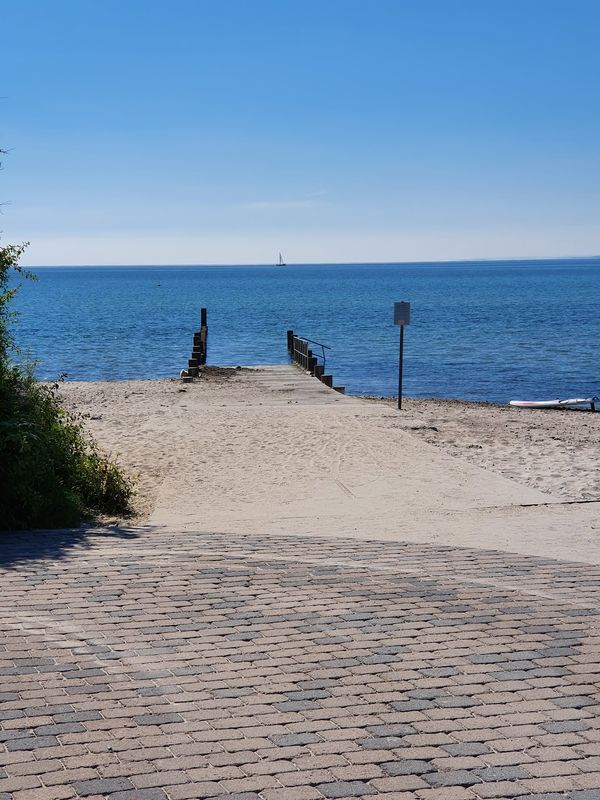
(281, 262)
(574, 401)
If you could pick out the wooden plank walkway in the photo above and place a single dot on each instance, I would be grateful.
(282, 379)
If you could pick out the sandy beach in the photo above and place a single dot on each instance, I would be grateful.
(271, 450)
(553, 450)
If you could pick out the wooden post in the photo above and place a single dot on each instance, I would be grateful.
(290, 341)
(319, 370)
(198, 358)
(327, 380)
(203, 343)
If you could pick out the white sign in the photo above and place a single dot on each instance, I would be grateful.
(402, 313)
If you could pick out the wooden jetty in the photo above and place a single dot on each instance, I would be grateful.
(299, 348)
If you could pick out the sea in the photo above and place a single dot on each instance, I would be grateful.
(488, 331)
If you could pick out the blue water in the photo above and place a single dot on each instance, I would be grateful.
(491, 331)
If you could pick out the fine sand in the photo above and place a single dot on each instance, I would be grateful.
(271, 450)
(554, 450)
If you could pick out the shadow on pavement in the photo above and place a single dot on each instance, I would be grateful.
(19, 547)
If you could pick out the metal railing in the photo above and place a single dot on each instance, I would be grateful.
(320, 344)
(305, 357)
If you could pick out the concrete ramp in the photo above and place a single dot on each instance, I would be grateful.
(275, 451)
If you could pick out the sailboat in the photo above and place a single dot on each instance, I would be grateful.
(281, 262)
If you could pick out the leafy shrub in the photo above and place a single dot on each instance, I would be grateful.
(52, 473)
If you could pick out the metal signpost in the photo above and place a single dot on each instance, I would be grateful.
(402, 318)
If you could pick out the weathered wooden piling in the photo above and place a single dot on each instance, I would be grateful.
(199, 348)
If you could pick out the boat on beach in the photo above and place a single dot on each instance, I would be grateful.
(572, 402)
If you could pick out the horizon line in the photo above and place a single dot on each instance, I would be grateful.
(518, 259)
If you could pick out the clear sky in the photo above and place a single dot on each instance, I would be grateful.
(223, 131)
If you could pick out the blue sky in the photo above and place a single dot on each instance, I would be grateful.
(223, 131)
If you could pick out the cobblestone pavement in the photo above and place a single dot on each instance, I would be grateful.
(156, 665)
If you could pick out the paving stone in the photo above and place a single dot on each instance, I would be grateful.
(381, 743)
(406, 766)
(399, 783)
(412, 705)
(499, 789)
(19, 783)
(45, 793)
(546, 796)
(299, 793)
(196, 791)
(291, 739)
(397, 729)
(585, 794)
(139, 794)
(502, 773)
(102, 786)
(308, 777)
(241, 795)
(346, 789)
(308, 694)
(296, 705)
(157, 719)
(574, 702)
(357, 772)
(447, 793)
(32, 743)
(565, 726)
(458, 777)
(467, 749)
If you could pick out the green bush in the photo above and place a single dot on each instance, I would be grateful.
(52, 473)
